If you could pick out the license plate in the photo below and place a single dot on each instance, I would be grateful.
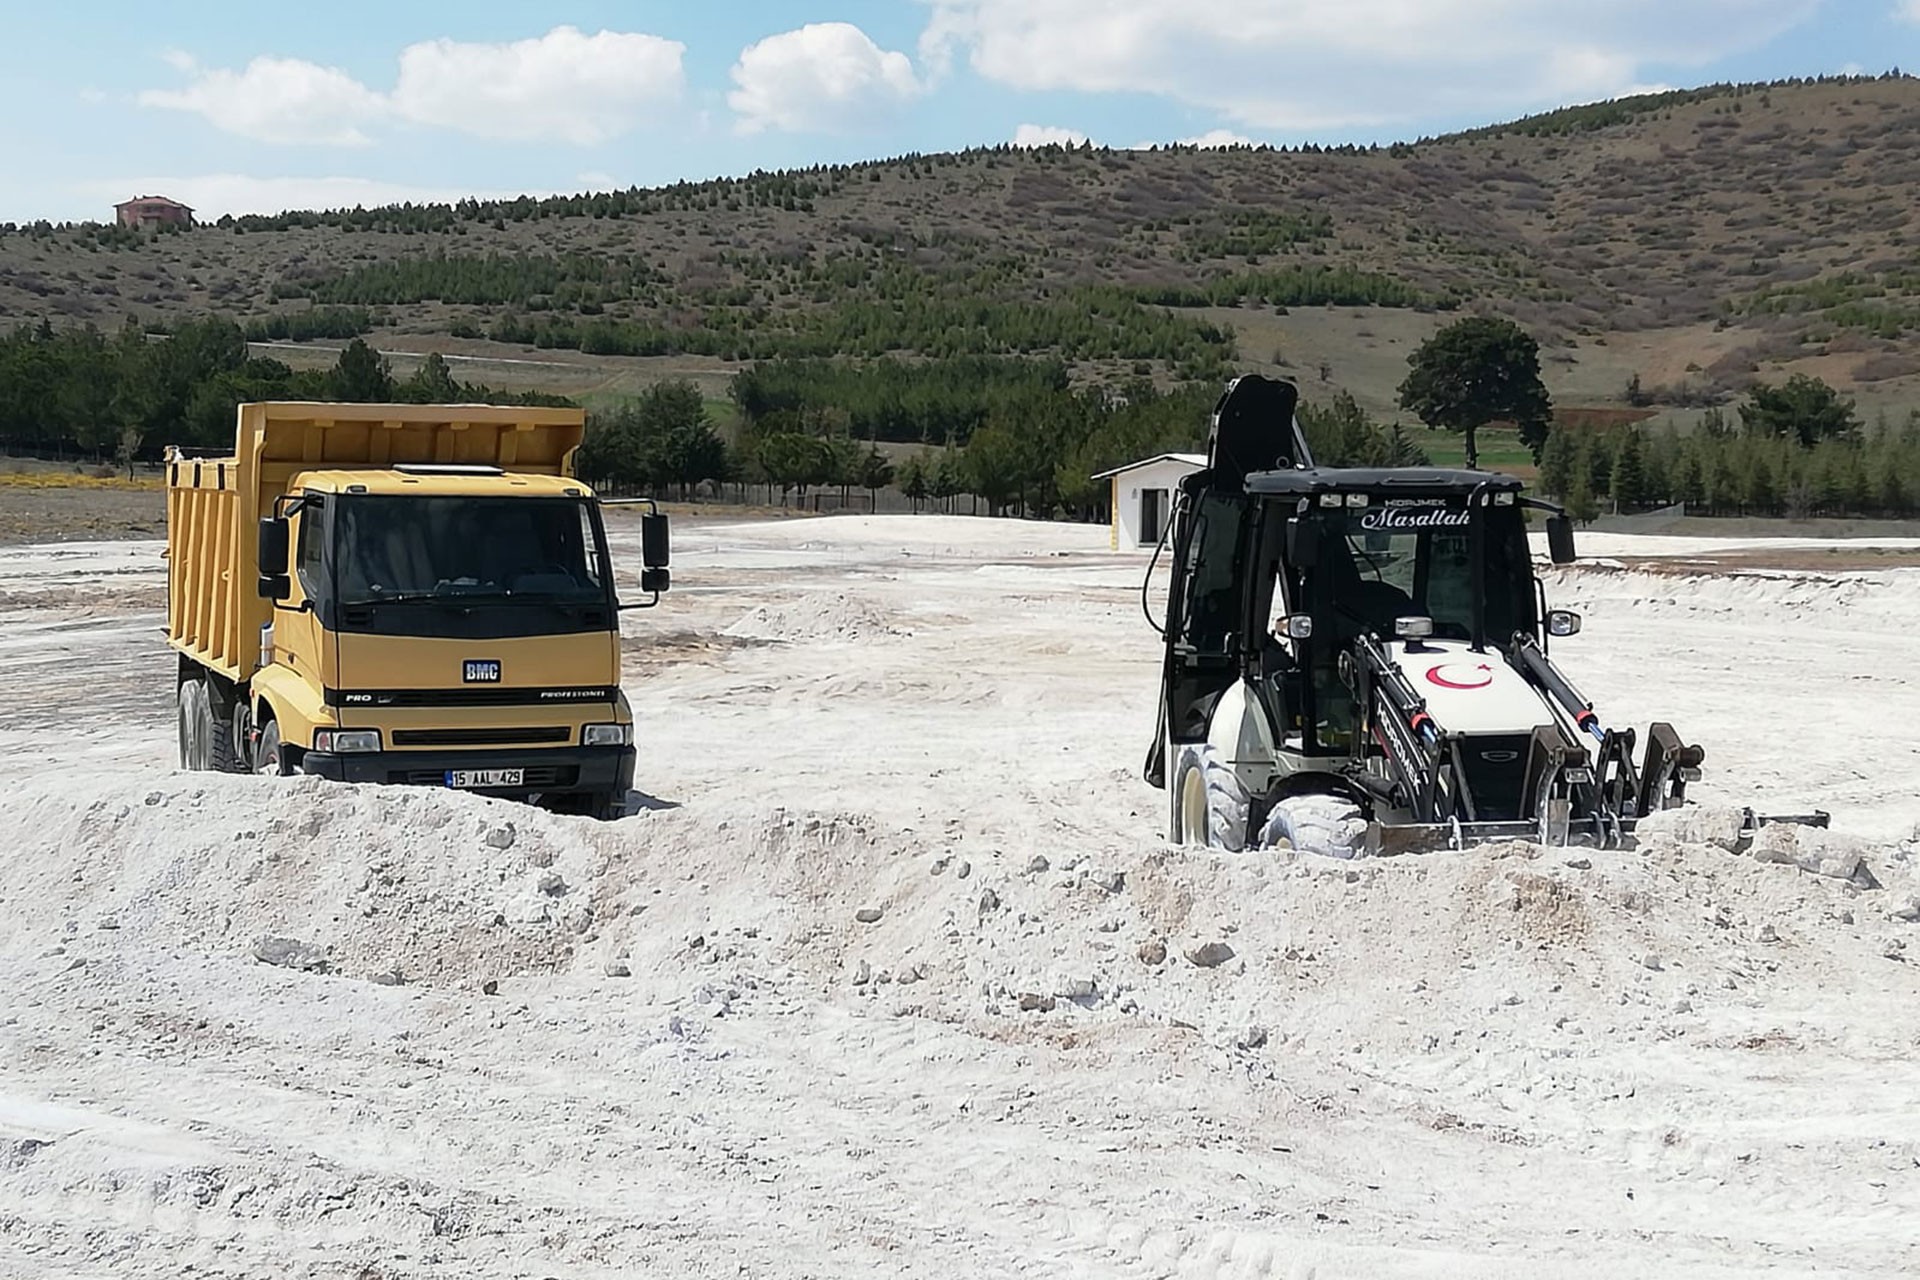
(485, 777)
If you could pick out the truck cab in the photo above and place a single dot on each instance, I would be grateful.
(425, 606)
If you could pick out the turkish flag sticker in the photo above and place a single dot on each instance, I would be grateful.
(1458, 675)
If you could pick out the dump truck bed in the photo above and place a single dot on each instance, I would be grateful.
(214, 611)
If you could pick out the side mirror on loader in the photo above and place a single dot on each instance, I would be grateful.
(272, 560)
(1560, 539)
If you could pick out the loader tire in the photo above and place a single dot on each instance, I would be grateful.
(195, 715)
(1213, 804)
(1326, 825)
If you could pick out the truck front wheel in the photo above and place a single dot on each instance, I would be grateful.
(268, 757)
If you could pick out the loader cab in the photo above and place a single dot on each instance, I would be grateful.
(1414, 556)
(1275, 577)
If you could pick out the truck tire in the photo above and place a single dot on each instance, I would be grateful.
(268, 758)
(195, 714)
(1326, 825)
(228, 739)
(605, 806)
(1213, 804)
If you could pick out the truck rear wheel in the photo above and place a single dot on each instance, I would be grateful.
(195, 713)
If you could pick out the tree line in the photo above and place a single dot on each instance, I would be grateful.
(1798, 450)
(84, 393)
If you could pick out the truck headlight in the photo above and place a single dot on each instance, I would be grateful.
(606, 735)
(345, 741)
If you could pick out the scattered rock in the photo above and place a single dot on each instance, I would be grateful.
(1210, 955)
(1815, 849)
(1033, 1001)
(1653, 961)
(1153, 952)
(1580, 864)
(1509, 998)
(939, 865)
(287, 953)
(389, 978)
(490, 988)
(1908, 910)
(989, 902)
(868, 915)
(108, 922)
(1766, 933)
(1111, 881)
(862, 974)
(540, 857)
(1683, 1005)
(1036, 864)
(618, 969)
(964, 870)
(1252, 1037)
(551, 883)
(1076, 988)
(502, 836)
(1717, 825)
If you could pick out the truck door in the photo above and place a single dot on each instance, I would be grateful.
(1207, 610)
(300, 637)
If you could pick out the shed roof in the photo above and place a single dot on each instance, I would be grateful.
(1194, 460)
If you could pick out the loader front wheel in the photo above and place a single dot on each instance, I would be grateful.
(195, 710)
(1327, 825)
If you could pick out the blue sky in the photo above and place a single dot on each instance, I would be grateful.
(238, 108)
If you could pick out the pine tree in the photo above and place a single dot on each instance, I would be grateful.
(1629, 479)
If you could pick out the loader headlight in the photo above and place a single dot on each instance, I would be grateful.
(346, 741)
(606, 735)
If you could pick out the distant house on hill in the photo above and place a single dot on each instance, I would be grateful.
(153, 211)
(1143, 496)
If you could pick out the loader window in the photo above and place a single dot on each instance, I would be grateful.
(1428, 570)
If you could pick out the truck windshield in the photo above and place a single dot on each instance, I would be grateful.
(1390, 563)
(391, 548)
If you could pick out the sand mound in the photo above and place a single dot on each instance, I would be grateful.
(447, 889)
(820, 615)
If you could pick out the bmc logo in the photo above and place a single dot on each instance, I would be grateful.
(482, 671)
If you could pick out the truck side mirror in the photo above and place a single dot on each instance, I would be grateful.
(1560, 539)
(272, 555)
(654, 553)
(1303, 548)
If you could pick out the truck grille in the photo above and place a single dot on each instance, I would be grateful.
(1496, 772)
(479, 737)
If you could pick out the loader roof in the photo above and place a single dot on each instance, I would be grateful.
(1392, 481)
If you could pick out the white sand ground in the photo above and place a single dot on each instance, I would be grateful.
(1509, 1062)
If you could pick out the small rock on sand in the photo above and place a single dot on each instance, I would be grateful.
(1210, 955)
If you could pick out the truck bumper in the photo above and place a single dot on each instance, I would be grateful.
(551, 771)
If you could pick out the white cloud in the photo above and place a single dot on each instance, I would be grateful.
(213, 195)
(565, 85)
(1047, 135)
(1301, 65)
(1219, 138)
(281, 100)
(1907, 11)
(825, 77)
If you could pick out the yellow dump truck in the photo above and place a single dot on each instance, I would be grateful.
(403, 594)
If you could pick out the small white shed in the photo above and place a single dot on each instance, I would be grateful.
(1143, 496)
